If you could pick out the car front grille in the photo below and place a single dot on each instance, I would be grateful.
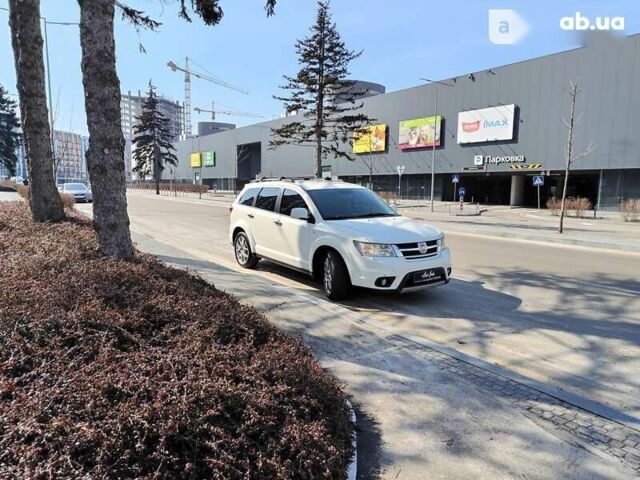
(412, 251)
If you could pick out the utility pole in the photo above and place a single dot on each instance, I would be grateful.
(433, 152)
(53, 143)
(435, 133)
(400, 169)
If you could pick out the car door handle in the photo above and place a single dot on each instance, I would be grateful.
(278, 222)
(250, 215)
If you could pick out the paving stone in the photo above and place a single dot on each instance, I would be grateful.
(616, 440)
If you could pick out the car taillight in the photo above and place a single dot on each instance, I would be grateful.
(230, 208)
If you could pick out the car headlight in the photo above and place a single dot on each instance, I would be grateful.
(441, 244)
(375, 249)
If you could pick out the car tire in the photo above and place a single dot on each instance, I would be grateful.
(335, 276)
(242, 249)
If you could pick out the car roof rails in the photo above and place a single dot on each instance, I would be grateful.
(281, 179)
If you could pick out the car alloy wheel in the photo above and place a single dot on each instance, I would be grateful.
(328, 275)
(242, 250)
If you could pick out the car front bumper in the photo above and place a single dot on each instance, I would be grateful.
(370, 272)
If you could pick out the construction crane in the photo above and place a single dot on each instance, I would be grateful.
(188, 72)
(235, 113)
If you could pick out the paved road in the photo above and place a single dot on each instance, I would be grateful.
(562, 315)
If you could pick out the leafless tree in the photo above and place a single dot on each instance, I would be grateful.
(570, 156)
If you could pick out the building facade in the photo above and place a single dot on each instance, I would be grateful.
(494, 131)
(70, 156)
(131, 107)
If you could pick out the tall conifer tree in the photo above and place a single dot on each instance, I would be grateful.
(9, 132)
(321, 94)
(152, 146)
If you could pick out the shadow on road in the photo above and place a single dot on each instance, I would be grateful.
(459, 427)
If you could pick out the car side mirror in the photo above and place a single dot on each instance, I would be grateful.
(300, 213)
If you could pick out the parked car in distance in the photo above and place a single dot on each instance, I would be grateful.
(340, 233)
(80, 191)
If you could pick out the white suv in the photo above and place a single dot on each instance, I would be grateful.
(340, 233)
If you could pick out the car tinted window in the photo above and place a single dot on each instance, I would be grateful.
(267, 198)
(343, 203)
(74, 186)
(290, 200)
(248, 196)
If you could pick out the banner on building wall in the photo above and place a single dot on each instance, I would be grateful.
(196, 160)
(210, 158)
(372, 139)
(486, 125)
(419, 133)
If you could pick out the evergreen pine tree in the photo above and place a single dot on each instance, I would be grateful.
(152, 146)
(9, 135)
(321, 94)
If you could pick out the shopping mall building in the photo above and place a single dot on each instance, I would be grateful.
(495, 130)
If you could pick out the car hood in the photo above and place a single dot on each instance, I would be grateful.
(386, 229)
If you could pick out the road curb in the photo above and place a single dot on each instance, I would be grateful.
(352, 470)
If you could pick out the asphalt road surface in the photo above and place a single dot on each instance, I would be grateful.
(563, 315)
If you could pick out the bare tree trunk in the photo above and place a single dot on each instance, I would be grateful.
(105, 157)
(568, 152)
(46, 204)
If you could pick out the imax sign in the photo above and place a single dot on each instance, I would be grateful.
(486, 125)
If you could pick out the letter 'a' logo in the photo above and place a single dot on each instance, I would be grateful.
(506, 27)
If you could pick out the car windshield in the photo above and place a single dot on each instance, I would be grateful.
(344, 203)
(74, 187)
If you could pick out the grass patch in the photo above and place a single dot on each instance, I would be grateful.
(111, 369)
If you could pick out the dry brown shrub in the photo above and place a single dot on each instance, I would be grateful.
(630, 210)
(112, 369)
(170, 187)
(579, 206)
(68, 200)
(554, 204)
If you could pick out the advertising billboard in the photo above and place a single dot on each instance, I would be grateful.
(196, 160)
(210, 158)
(373, 139)
(419, 133)
(486, 125)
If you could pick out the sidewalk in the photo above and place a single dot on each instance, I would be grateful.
(609, 232)
(423, 413)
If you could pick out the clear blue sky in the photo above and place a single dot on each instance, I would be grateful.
(402, 41)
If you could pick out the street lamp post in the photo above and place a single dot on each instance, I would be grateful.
(46, 43)
(433, 146)
(400, 169)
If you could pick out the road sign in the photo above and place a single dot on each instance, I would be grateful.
(538, 181)
(455, 179)
(461, 192)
